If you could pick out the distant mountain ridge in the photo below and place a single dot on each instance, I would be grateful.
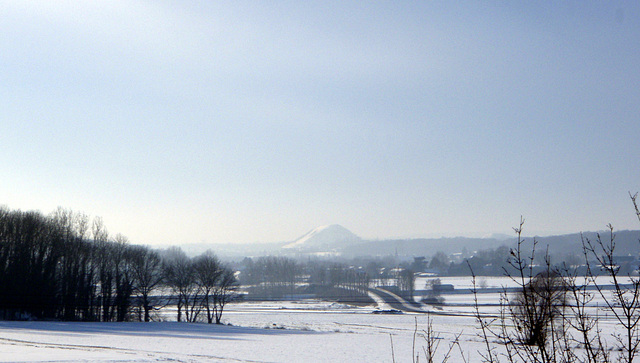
(339, 241)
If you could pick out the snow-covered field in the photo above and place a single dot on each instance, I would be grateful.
(305, 331)
(287, 332)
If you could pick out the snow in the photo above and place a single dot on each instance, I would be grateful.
(309, 331)
(306, 237)
(324, 235)
(152, 342)
(296, 331)
(267, 333)
(497, 282)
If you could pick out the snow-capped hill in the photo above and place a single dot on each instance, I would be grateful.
(324, 237)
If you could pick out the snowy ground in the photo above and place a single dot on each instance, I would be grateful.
(305, 331)
(310, 332)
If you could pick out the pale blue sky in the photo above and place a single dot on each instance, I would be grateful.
(237, 121)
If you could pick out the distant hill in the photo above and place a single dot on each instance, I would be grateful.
(626, 242)
(234, 251)
(423, 246)
(324, 239)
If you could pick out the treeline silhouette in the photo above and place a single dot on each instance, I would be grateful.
(280, 277)
(64, 266)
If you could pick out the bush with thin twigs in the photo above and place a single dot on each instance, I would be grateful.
(549, 320)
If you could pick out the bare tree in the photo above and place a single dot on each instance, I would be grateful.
(528, 323)
(272, 276)
(224, 292)
(406, 283)
(550, 315)
(434, 292)
(485, 322)
(146, 267)
(208, 272)
(105, 271)
(432, 342)
(624, 301)
(581, 320)
(180, 277)
(537, 306)
(122, 257)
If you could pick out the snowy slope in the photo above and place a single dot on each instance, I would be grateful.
(324, 237)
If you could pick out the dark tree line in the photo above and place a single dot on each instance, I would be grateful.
(341, 282)
(64, 267)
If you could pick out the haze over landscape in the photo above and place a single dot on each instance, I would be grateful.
(334, 181)
(238, 122)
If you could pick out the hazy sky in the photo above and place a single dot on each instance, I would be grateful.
(255, 121)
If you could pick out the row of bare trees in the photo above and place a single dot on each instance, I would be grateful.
(64, 266)
(202, 285)
(272, 277)
(278, 277)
